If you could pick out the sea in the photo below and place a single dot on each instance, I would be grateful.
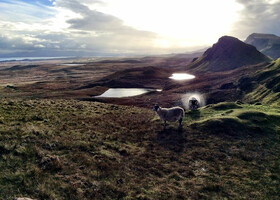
(32, 58)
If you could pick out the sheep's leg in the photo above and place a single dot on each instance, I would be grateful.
(180, 122)
(164, 124)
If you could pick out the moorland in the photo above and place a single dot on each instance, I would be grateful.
(60, 141)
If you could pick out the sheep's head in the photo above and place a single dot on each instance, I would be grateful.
(193, 101)
(156, 107)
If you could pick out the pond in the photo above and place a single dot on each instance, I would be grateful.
(72, 64)
(181, 76)
(126, 92)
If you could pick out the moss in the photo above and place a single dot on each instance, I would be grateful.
(222, 126)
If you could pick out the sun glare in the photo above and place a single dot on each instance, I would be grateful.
(179, 22)
(181, 76)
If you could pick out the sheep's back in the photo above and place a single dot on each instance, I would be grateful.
(173, 114)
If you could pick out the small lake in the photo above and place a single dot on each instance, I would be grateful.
(72, 65)
(126, 92)
(181, 76)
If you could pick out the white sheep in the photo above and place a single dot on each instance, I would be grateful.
(170, 114)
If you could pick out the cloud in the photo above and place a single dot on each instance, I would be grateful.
(261, 16)
(97, 21)
(108, 29)
(70, 27)
(90, 27)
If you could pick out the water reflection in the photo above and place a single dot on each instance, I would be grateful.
(72, 64)
(126, 92)
(181, 76)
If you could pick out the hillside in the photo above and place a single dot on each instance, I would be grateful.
(149, 76)
(268, 44)
(66, 149)
(227, 54)
(264, 85)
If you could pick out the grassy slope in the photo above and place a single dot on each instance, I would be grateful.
(267, 85)
(64, 149)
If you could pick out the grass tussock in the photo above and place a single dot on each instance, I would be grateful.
(65, 149)
(225, 106)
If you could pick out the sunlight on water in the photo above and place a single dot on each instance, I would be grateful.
(181, 76)
(126, 92)
(72, 65)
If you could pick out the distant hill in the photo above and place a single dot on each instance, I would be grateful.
(148, 77)
(268, 44)
(171, 60)
(227, 54)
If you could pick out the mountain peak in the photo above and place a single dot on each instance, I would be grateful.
(227, 54)
(227, 39)
(268, 44)
(227, 44)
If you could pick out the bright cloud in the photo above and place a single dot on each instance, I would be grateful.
(178, 22)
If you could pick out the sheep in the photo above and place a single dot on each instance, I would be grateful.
(193, 103)
(170, 114)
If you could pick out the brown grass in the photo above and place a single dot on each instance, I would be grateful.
(65, 149)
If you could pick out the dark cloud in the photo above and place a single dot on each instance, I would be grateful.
(43, 45)
(110, 32)
(45, 42)
(93, 20)
(97, 21)
(258, 16)
(9, 44)
(78, 6)
(75, 6)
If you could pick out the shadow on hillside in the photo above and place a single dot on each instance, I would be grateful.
(194, 114)
(171, 139)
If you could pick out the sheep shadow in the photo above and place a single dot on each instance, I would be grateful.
(172, 139)
(194, 114)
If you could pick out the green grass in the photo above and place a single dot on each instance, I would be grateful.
(66, 149)
(267, 83)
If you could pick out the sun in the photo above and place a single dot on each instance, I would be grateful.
(178, 22)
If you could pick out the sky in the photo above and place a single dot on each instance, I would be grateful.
(128, 27)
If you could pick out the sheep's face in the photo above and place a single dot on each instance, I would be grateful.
(156, 107)
(193, 102)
